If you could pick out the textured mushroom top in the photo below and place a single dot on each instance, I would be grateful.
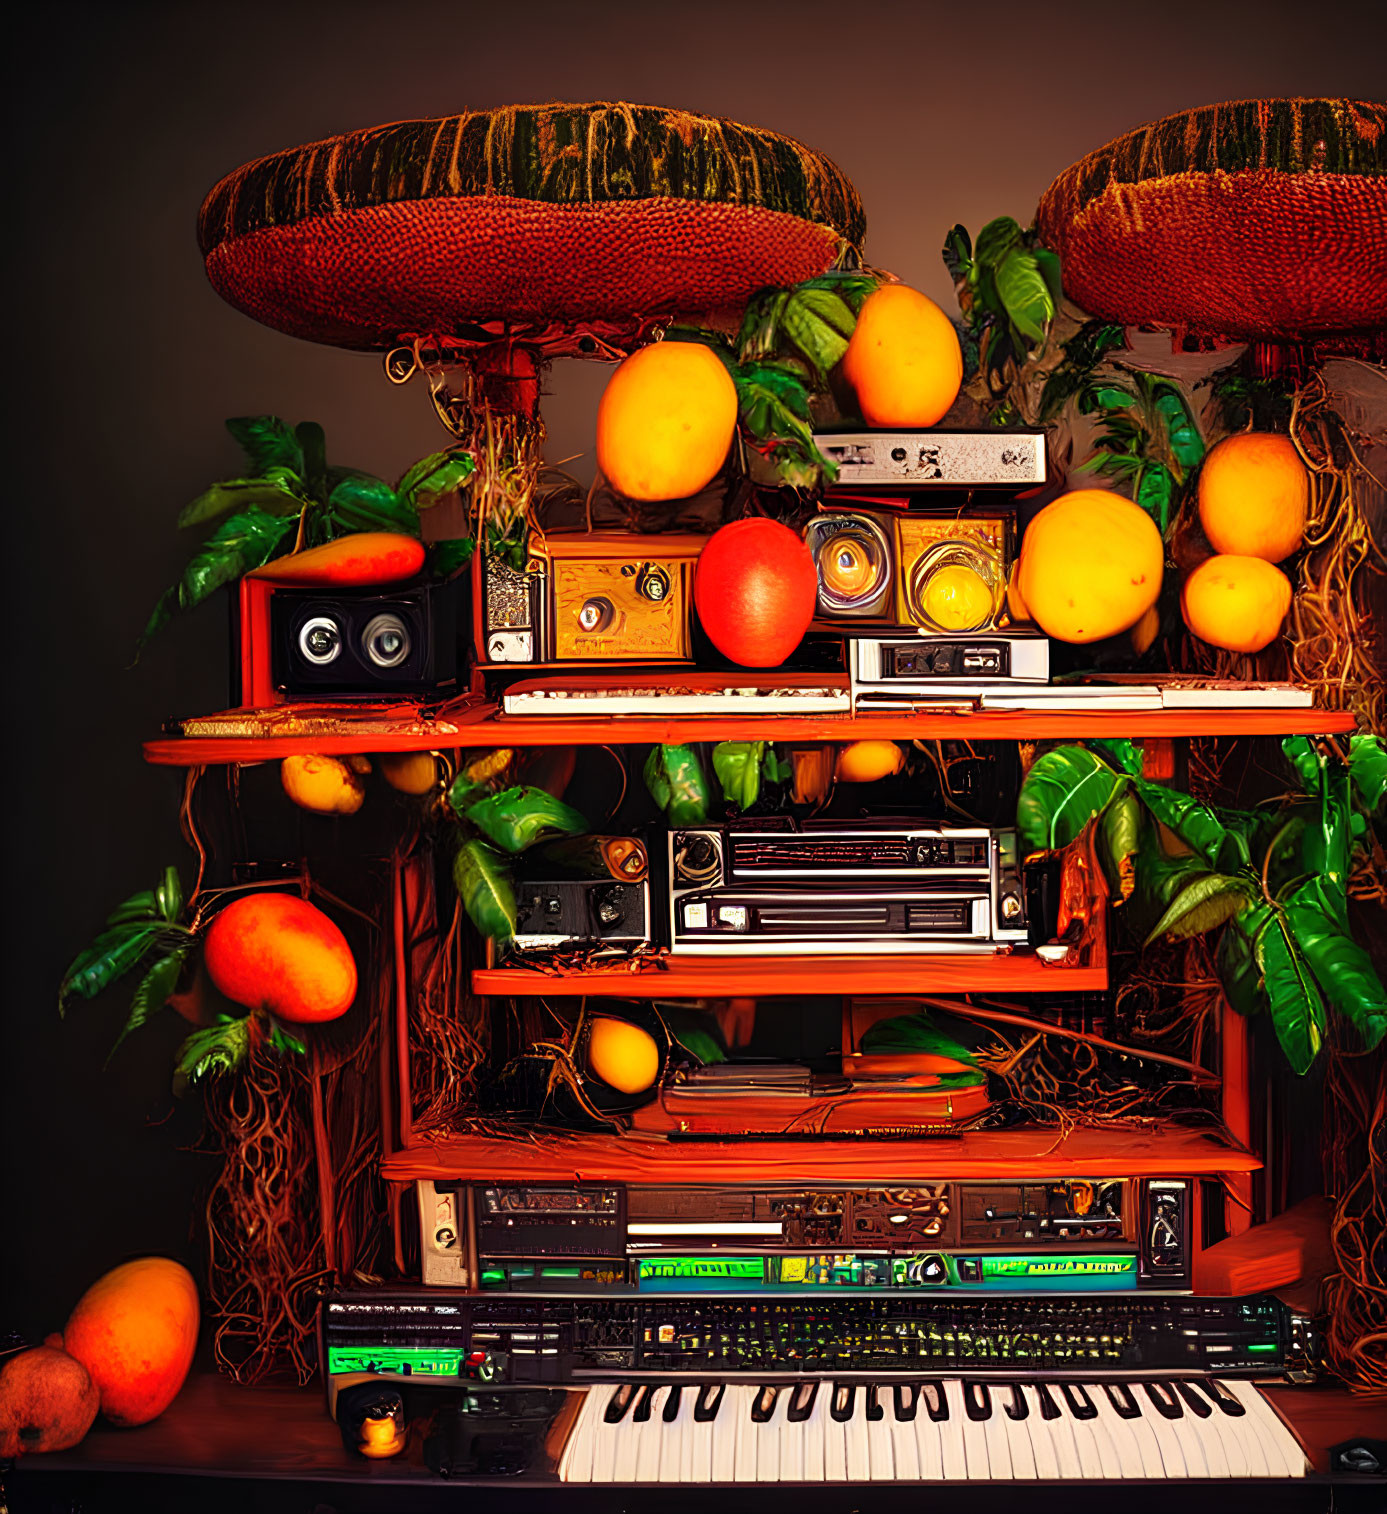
(532, 216)
(1249, 219)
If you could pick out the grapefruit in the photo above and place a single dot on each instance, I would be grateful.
(755, 589)
(280, 953)
(135, 1331)
(665, 421)
(1237, 603)
(1091, 565)
(903, 360)
(622, 1055)
(1254, 496)
(47, 1401)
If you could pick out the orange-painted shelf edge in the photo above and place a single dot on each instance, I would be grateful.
(694, 977)
(1028, 1152)
(288, 730)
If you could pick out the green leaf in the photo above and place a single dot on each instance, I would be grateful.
(518, 818)
(370, 504)
(1194, 823)
(1082, 353)
(153, 992)
(817, 323)
(169, 895)
(1236, 961)
(1306, 761)
(996, 240)
(1121, 752)
(244, 541)
(1154, 492)
(1048, 261)
(1064, 789)
(1025, 295)
(1343, 970)
(142, 906)
(113, 954)
(738, 767)
(274, 495)
(282, 1041)
(674, 776)
(313, 445)
(268, 443)
(1120, 830)
(1182, 434)
(1297, 1011)
(446, 557)
(435, 477)
(957, 253)
(1106, 397)
(915, 1033)
(1367, 765)
(1207, 901)
(208, 1053)
(479, 874)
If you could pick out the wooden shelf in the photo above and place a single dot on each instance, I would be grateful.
(1027, 1153)
(264, 735)
(697, 977)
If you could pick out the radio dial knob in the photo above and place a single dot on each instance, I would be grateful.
(1011, 907)
(595, 614)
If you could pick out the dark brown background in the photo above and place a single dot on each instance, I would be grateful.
(124, 363)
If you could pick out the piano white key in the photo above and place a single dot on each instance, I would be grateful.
(855, 1430)
(1086, 1444)
(951, 1447)
(994, 1429)
(733, 1407)
(1167, 1439)
(1043, 1449)
(699, 1439)
(802, 1440)
(745, 1435)
(674, 1443)
(1004, 1399)
(928, 1446)
(608, 1437)
(1119, 1433)
(1244, 1452)
(905, 1451)
(1061, 1428)
(878, 1411)
(835, 1436)
(1283, 1451)
(1208, 1433)
(1191, 1443)
(969, 1431)
(1148, 1446)
(768, 1433)
(575, 1465)
(648, 1435)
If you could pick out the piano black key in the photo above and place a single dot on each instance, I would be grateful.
(709, 1401)
(1223, 1398)
(936, 1404)
(1080, 1404)
(1018, 1408)
(671, 1412)
(844, 1398)
(641, 1414)
(619, 1403)
(875, 1408)
(1194, 1400)
(1120, 1396)
(977, 1400)
(1165, 1399)
(1049, 1409)
(907, 1400)
(802, 1402)
(763, 1404)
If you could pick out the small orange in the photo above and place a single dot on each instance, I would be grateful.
(1254, 495)
(324, 785)
(1237, 603)
(903, 360)
(665, 421)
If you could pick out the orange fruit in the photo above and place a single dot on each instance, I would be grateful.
(47, 1401)
(358, 560)
(866, 761)
(409, 772)
(280, 953)
(903, 360)
(622, 1055)
(135, 1331)
(665, 421)
(1236, 602)
(1091, 565)
(1254, 496)
(755, 588)
(325, 785)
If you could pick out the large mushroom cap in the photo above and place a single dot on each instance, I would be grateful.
(1257, 219)
(534, 216)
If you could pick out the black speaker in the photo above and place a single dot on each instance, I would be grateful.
(366, 643)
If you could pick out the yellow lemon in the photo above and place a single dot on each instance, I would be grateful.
(956, 599)
(665, 421)
(622, 1055)
(1254, 496)
(866, 761)
(1237, 603)
(325, 785)
(409, 772)
(1091, 565)
(903, 359)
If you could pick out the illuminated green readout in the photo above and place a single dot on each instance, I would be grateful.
(1010, 1267)
(1268, 1346)
(394, 1360)
(700, 1271)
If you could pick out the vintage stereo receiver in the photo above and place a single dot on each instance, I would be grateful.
(832, 887)
(596, 597)
(937, 573)
(892, 670)
(322, 643)
(589, 892)
(991, 459)
(1080, 1234)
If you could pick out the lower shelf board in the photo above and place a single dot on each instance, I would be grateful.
(1024, 1153)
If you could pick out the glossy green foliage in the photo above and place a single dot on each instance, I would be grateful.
(208, 1053)
(1089, 345)
(1064, 789)
(517, 818)
(1008, 288)
(1148, 441)
(743, 766)
(484, 886)
(675, 779)
(147, 925)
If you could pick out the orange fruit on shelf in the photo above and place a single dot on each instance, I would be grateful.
(755, 589)
(866, 761)
(1254, 496)
(359, 560)
(1091, 565)
(47, 1401)
(903, 361)
(280, 953)
(1237, 603)
(665, 421)
(135, 1331)
(622, 1055)
(324, 785)
(409, 772)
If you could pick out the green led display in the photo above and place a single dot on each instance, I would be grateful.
(1057, 1266)
(395, 1360)
(701, 1269)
